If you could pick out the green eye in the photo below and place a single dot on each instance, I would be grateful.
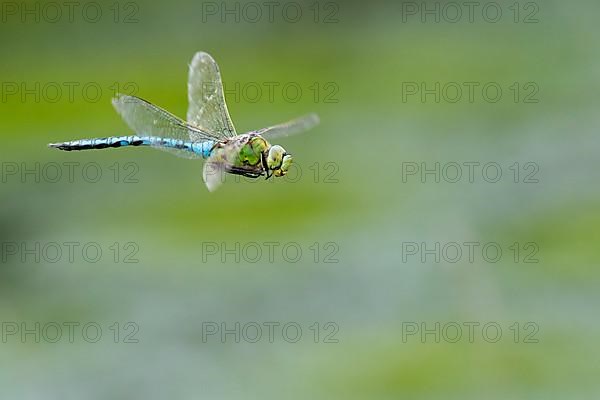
(287, 162)
(275, 157)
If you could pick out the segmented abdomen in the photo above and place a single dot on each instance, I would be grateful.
(202, 148)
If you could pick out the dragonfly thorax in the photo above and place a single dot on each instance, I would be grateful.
(256, 156)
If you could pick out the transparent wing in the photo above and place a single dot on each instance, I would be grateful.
(213, 174)
(146, 119)
(292, 127)
(207, 109)
(179, 153)
(219, 163)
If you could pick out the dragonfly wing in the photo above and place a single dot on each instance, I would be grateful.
(179, 153)
(207, 109)
(146, 119)
(213, 174)
(292, 127)
(220, 162)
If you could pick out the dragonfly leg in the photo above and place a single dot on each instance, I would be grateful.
(243, 172)
(265, 164)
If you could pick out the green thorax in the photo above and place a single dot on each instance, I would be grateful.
(251, 151)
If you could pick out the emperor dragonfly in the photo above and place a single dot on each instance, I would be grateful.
(208, 132)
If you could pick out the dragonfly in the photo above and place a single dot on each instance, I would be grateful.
(207, 134)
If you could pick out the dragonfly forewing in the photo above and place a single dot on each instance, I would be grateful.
(207, 109)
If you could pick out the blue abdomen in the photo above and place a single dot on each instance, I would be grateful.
(203, 148)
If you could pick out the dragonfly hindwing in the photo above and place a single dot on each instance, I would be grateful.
(146, 119)
(292, 127)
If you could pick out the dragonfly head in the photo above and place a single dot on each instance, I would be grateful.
(278, 160)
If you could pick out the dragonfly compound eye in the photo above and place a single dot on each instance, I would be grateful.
(287, 162)
(285, 166)
(275, 157)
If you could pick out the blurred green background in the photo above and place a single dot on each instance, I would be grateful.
(349, 201)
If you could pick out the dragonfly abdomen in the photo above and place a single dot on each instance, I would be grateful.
(202, 148)
(101, 143)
